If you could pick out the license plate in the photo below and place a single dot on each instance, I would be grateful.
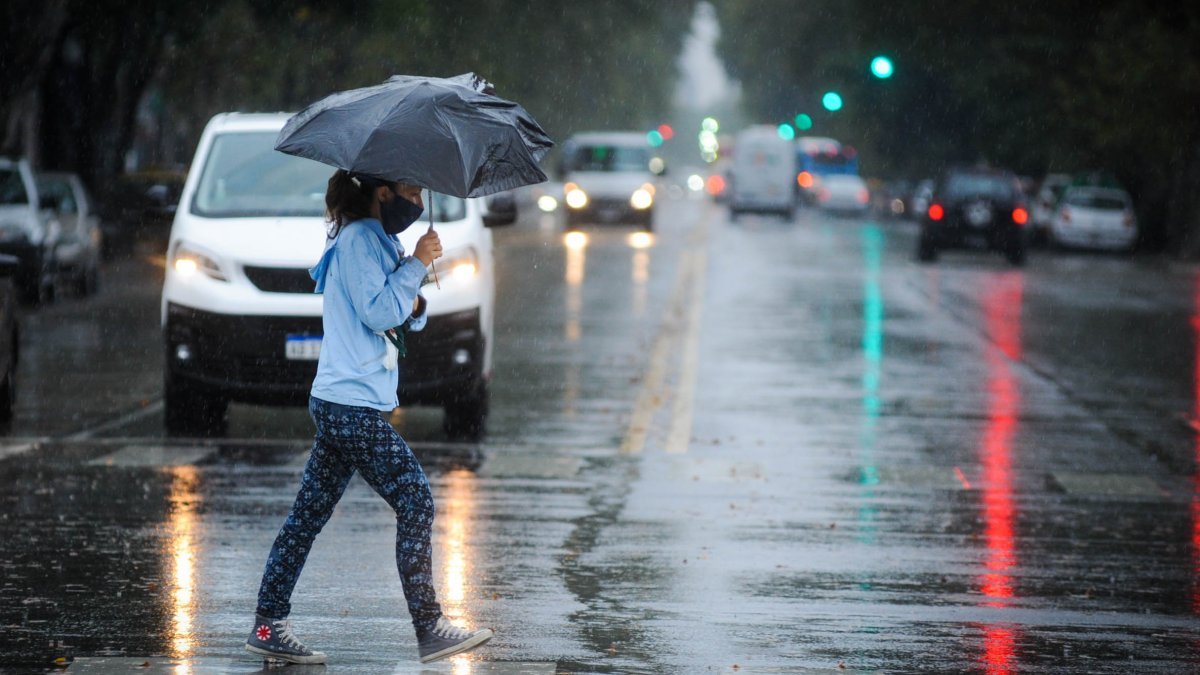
(302, 347)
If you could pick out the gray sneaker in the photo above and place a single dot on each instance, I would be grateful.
(273, 639)
(446, 639)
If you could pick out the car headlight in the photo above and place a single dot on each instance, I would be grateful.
(643, 197)
(460, 264)
(575, 196)
(188, 260)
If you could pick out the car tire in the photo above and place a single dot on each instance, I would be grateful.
(37, 288)
(87, 282)
(1015, 255)
(190, 411)
(8, 387)
(465, 416)
(926, 249)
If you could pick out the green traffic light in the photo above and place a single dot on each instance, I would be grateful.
(786, 132)
(832, 101)
(803, 122)
(881, 67)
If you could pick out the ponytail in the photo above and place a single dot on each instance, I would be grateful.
(347, 199)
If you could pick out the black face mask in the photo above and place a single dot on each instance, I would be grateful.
(397, 214)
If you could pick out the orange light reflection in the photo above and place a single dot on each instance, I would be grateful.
(182, 524)
(456, 507)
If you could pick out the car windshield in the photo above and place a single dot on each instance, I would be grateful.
(12, 188)
(980, 185)
(244, 177)
(1097, 200)
(611, 158)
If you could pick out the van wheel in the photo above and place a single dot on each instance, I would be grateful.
(466, 415)
(189, 411)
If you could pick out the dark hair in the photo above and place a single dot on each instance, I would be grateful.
(347, 199)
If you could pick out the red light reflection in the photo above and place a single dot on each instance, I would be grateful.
(1002, 317)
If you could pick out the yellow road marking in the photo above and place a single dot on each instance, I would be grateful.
(680, 333)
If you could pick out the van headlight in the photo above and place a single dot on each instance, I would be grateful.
(575, 196)
(643, 197)
(460, 264)
(188, 260)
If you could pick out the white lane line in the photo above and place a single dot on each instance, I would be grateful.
(116, 423)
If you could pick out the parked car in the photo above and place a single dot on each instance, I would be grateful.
(1045, 204)
(29, 230)
(1094, 217)
(763, 173)
(140, 207)
(77, 252)
(975, 207)
(10, 336)
(239, 316)
(843, 194)
(607, 178)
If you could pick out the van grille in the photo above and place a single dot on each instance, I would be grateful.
(280, 279)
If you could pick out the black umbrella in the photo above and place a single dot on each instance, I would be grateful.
(451, 135)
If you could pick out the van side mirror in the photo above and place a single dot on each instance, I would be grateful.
(500, 209)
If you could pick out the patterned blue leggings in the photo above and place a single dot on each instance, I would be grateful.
(353, 439)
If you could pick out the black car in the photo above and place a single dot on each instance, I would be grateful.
(978, 208)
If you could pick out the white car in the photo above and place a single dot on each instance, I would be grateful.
(77, 251)
(608, 178)
(843, 193)
(1044, 204)
(239, 316)
(1094, 217)
(29, 230)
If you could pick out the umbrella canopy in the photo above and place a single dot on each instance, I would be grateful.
(451, 135)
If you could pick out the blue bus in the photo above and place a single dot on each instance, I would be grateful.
(817, 157)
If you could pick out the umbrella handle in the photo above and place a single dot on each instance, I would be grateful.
(432, 268)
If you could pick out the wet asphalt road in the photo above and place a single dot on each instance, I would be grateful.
(751, 447)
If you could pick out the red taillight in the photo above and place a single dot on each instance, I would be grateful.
(804, 180)
(1020, 216)
(864, 196)
(1128, 220)
(936, 212)
(715, 185)
(1065, 215)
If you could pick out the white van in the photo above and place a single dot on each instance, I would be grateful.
(763, 173)
(240, 319)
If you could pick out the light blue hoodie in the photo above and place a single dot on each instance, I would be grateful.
(369, 286)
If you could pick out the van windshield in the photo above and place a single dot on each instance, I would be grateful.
(245, 177)
(611, 158)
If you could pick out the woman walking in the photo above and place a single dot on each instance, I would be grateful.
(372, 298)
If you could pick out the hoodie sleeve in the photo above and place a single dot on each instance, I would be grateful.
(380, 300)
